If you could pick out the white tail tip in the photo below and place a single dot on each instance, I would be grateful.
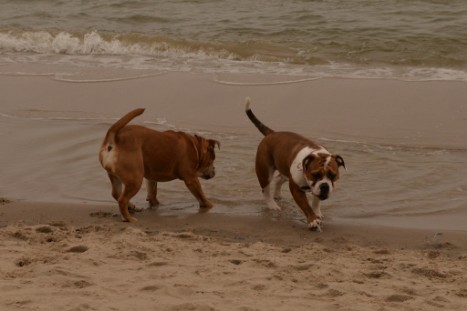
(247, 103)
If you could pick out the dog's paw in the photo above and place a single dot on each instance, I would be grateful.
(153, 202)
(278, 198)
(129, 219)
(133, 209)
(273, 206)
(205, 206)
(315, 225)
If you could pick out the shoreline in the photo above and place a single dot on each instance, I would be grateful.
(219, 225)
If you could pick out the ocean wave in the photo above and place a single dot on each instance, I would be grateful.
(44, 42)
(95, 43)
(161, 53)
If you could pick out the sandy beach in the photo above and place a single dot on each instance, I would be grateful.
(81, 257)
(381, 84)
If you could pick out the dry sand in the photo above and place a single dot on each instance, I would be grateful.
(81, 257)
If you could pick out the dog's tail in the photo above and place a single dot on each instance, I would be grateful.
(259, 125)
(117, 126)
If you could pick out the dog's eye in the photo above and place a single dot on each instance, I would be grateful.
(317, 175)
(331, 176)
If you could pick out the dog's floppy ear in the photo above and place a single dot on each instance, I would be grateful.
(213, 143)
(340, 161)
(307, 160)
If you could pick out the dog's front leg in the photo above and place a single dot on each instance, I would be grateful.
(316, 207)
(194, 186)
(302, 201)
(151, 187)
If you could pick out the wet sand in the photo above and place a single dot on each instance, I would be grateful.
(431, 113)
(65, 248)
(82, 257)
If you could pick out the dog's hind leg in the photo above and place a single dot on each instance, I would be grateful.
(265, 177)
(116, 186)
(117, 191)
(151, 187)
(265, 171)
(278, 180)
(130, 189)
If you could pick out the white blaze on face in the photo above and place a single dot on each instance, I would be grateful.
(316, 190)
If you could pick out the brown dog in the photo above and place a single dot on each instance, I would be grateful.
(131, 153)
(309, 167)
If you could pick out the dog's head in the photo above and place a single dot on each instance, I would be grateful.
(207, 155)
(322, 171)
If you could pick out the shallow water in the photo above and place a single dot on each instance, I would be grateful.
(52, 156)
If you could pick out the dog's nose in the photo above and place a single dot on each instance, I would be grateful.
(324, 189)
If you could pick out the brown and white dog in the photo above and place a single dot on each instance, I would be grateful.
(309, 167)
(130, 153)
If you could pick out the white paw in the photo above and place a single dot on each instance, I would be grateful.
(133, 209)
(273, 206)
(315, 225)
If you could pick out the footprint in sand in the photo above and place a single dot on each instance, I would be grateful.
(429, 273)
(236, 261)
(158, 264)
(23, 262)
(77, 284)
(334, 293)
(377, 275)
(398, 298)
(77, 249)
(4, 201)
(101, 214)
(44, 229)
(258, 287)
(20, 235)
(150, 288)
(462, 293)
(138, 255)
(192, 307)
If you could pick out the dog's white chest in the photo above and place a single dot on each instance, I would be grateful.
(296, 169)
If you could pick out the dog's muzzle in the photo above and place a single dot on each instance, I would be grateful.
(208, 174)
(324, 191)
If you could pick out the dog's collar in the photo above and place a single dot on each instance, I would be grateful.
(198, 154)
(305, 188)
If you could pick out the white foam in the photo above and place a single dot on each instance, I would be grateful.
(130, 52)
